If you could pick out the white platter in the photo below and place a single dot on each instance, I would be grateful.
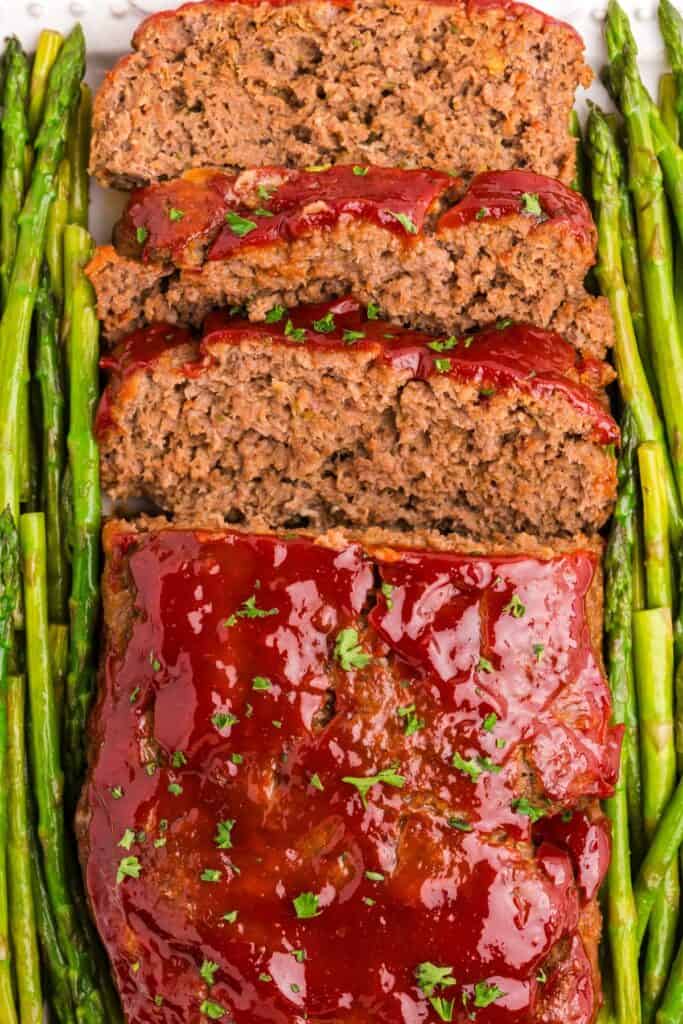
(109, 25)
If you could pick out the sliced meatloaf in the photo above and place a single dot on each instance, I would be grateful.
(306, 749)
(516, 246)
(327, 417)
(462, 85)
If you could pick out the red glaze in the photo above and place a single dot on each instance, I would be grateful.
(589, 843)
(521, 356)
(307, 201)
(499, 194)
(478, 898)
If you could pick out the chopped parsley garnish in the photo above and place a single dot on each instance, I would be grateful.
(158, 1000)
(211, 875)
(264, 977)
(429, 978)
(360, 171)
(223, 719)
(387, 591)
(485, 994)
(175, 789)
(129, 867)
(500, 743)
(538, 651)
(482, 213)
(154, 662)
(325, 325)
(231, 916)
(523, 806)
(151, 768)
(348, 651)
(388, 776)
(295, 333)
(178, 759)
(261, 212)
(374, 876)
(502, 325)
(250, 611)
(275, 314)
(475, 767)
(443, 346)
(515, 607)
(299, 955)
(412, 723)
(368, 901)
(117, 792)
(460, 824)
(142, 234)
(373, 311)
(208, 971)
(127, 839)
(134, 695)
(158, 843)
(277, 723)
(490, 722)
(239, 226)
(306, 905)
(315, 782)
(175, 215)
(135, 967)
(265, 193)
(405, 222)
(531, 204)
(236, 758)
(261, 683)
(541, 977)
(442, 365)
(567, 816)
(350, 336)
(487, 392)
(484, 665)
(223, 837)
(212, 1010)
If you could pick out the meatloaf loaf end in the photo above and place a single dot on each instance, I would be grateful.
(306, 747)
(462, 85)
(328, 417)
(518, 246)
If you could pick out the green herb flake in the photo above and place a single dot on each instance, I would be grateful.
(405, 222)
(260, 211)
(315, 782)
(158, 843)
(212, 1010)
(155, 663)
(236, 758)
(264, 977)
(487, 392)
(515, 607)
(373, 311)
(175, 789)
(142, 234)
(134, 695)
(175, 215)
(387, 777)
(501, 743)
(368, 901)
(485, 994)
(430, 978)
(158, 1000)
(231, 916)
(348, 652)
(239, 226)
(387, 591)
(484, 665)
(539, 650)
(460, 823)
(412, 723)
(531, 204)
(306, 905)
(116, 792)
(277, 723)
(223, 838)
(224, 719)
(129, 867)
(490, 722)
(523, 806)
(299, 955)
(208, 970)
(261, 683)
(211, 875)
(483, 213)
(541, 977)
(445, 345)
(350, 336)
(294, 988)
(135, 967)
(151, 768)
(250, 611)
(502, 325)
(178, 759)
(475, 767)
(295, 333)
(265, 193)
(275, 314)
(374, 876)
(325, 325)
(360, 172)
(442, 365)
(127, 839)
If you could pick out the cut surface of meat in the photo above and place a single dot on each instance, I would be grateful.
(517, 246)
(459, 86)
(305, 748)
(330, 418)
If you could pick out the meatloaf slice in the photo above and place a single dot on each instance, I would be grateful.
(517, 245)
(327, 417)
(306, 749)
(462, 85)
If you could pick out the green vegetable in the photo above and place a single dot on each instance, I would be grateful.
(348, 651)
(239, 226)
(405, 221)
(531, 204)
(387, 777)
(431, 977)
(49, 45)
(306, 905)
(57, 220)
(15, 137)
(223, 837)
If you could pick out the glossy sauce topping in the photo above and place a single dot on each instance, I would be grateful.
(511, 355)
(296, 768)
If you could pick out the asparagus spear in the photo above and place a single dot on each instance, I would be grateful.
(24, 937)
(79, 152)
(661, 852)
(9, 587)
(49, 377)
(671, 25)
(667, 106)
(653, 646)
(14, 141)
(16, 321)
(56, 967)
(49, 45)
(632, 378)
(56, 222)
(658, 571)
(83, 354)
(621, 915)
(47, 774)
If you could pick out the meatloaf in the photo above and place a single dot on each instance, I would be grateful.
(461, 85)
(307, 749)
(517, 245)
(330, 418)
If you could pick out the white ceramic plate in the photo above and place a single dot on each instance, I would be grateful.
(109, 25)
